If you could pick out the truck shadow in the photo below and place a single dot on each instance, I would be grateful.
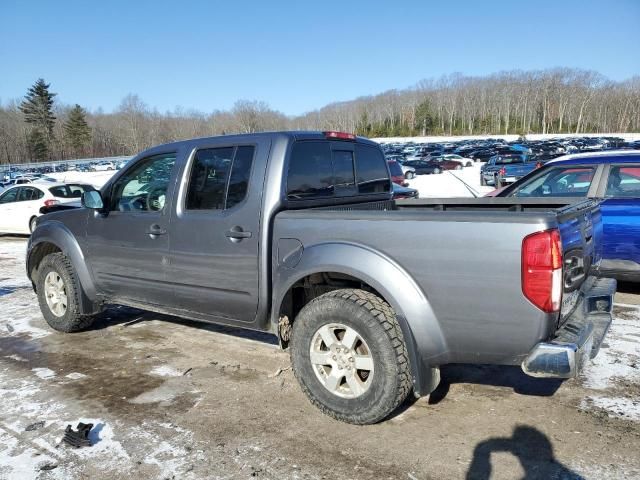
(493, 375)
(530, 446)
(128, 316)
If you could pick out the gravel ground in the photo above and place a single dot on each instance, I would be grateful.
(176, 399)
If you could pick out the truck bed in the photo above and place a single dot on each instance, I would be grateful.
(464, 255)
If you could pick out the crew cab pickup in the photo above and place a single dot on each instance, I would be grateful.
(296, 233)
(503, 169)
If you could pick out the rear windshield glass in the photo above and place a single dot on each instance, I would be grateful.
(310, 172)
(371, 168)
(509, 160)
(317, 171)
(70, 190)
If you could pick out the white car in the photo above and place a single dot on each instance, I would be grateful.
(102, 167)
(20, 204)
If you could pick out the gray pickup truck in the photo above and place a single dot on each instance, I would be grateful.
(296, 233)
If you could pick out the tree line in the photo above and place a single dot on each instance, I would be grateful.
(559, 100)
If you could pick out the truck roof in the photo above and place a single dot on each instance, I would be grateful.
(291, 134)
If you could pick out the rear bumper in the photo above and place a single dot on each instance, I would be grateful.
(579, 338)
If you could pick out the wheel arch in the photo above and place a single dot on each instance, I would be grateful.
(51, 237)
(381, 275)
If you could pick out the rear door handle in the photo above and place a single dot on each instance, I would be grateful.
(236, 234)
(155, 230)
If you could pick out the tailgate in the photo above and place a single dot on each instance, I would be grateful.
(580, 227)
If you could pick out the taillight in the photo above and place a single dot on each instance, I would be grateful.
(340, 135)
(51, 202)
(542, 270)
(503, 172)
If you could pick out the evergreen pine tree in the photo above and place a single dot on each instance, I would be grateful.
(77, 131)
(37, 108)
(38, 146)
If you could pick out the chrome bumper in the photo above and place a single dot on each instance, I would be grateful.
(579, 338)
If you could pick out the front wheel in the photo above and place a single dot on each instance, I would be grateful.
(59, 294)
(459, 167)
(349, 356)
(436, 171)
(409, 175)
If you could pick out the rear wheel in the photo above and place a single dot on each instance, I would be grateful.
(32, 224)
(409, 175)
(437, 171)
(349, 356)
(59, 294)
(459, 167)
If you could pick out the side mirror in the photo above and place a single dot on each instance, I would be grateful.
(92, 199)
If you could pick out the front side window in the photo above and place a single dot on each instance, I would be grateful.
(9, 196)
(569, 181)
(624, 182)
(143, 188)
(219, 178)
(29, 193)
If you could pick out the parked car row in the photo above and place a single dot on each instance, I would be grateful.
(9, 173)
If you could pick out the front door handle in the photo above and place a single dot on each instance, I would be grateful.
(236, 234)
(155, 230)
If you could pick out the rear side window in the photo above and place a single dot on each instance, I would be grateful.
(219, 177)
(372, 170)
(624, 182)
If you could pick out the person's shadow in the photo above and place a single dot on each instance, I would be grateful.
(531, 447)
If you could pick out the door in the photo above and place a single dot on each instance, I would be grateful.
(28, 206)
(128, 244)
(8, 201)
(215, 232)
(621, 214)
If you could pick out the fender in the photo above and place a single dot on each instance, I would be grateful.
(417, 320)
(56, 233)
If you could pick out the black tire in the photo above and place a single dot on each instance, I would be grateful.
(436, 171)
(376, 323)
(498, 181)
(459, 167)
(409, 175)
(72, 320)
(32, 224)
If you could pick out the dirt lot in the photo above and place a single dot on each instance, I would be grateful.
(176, 399)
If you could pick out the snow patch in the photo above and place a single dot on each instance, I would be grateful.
(44, 373)
(165, 371)
(617, 407)
(75, 376)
